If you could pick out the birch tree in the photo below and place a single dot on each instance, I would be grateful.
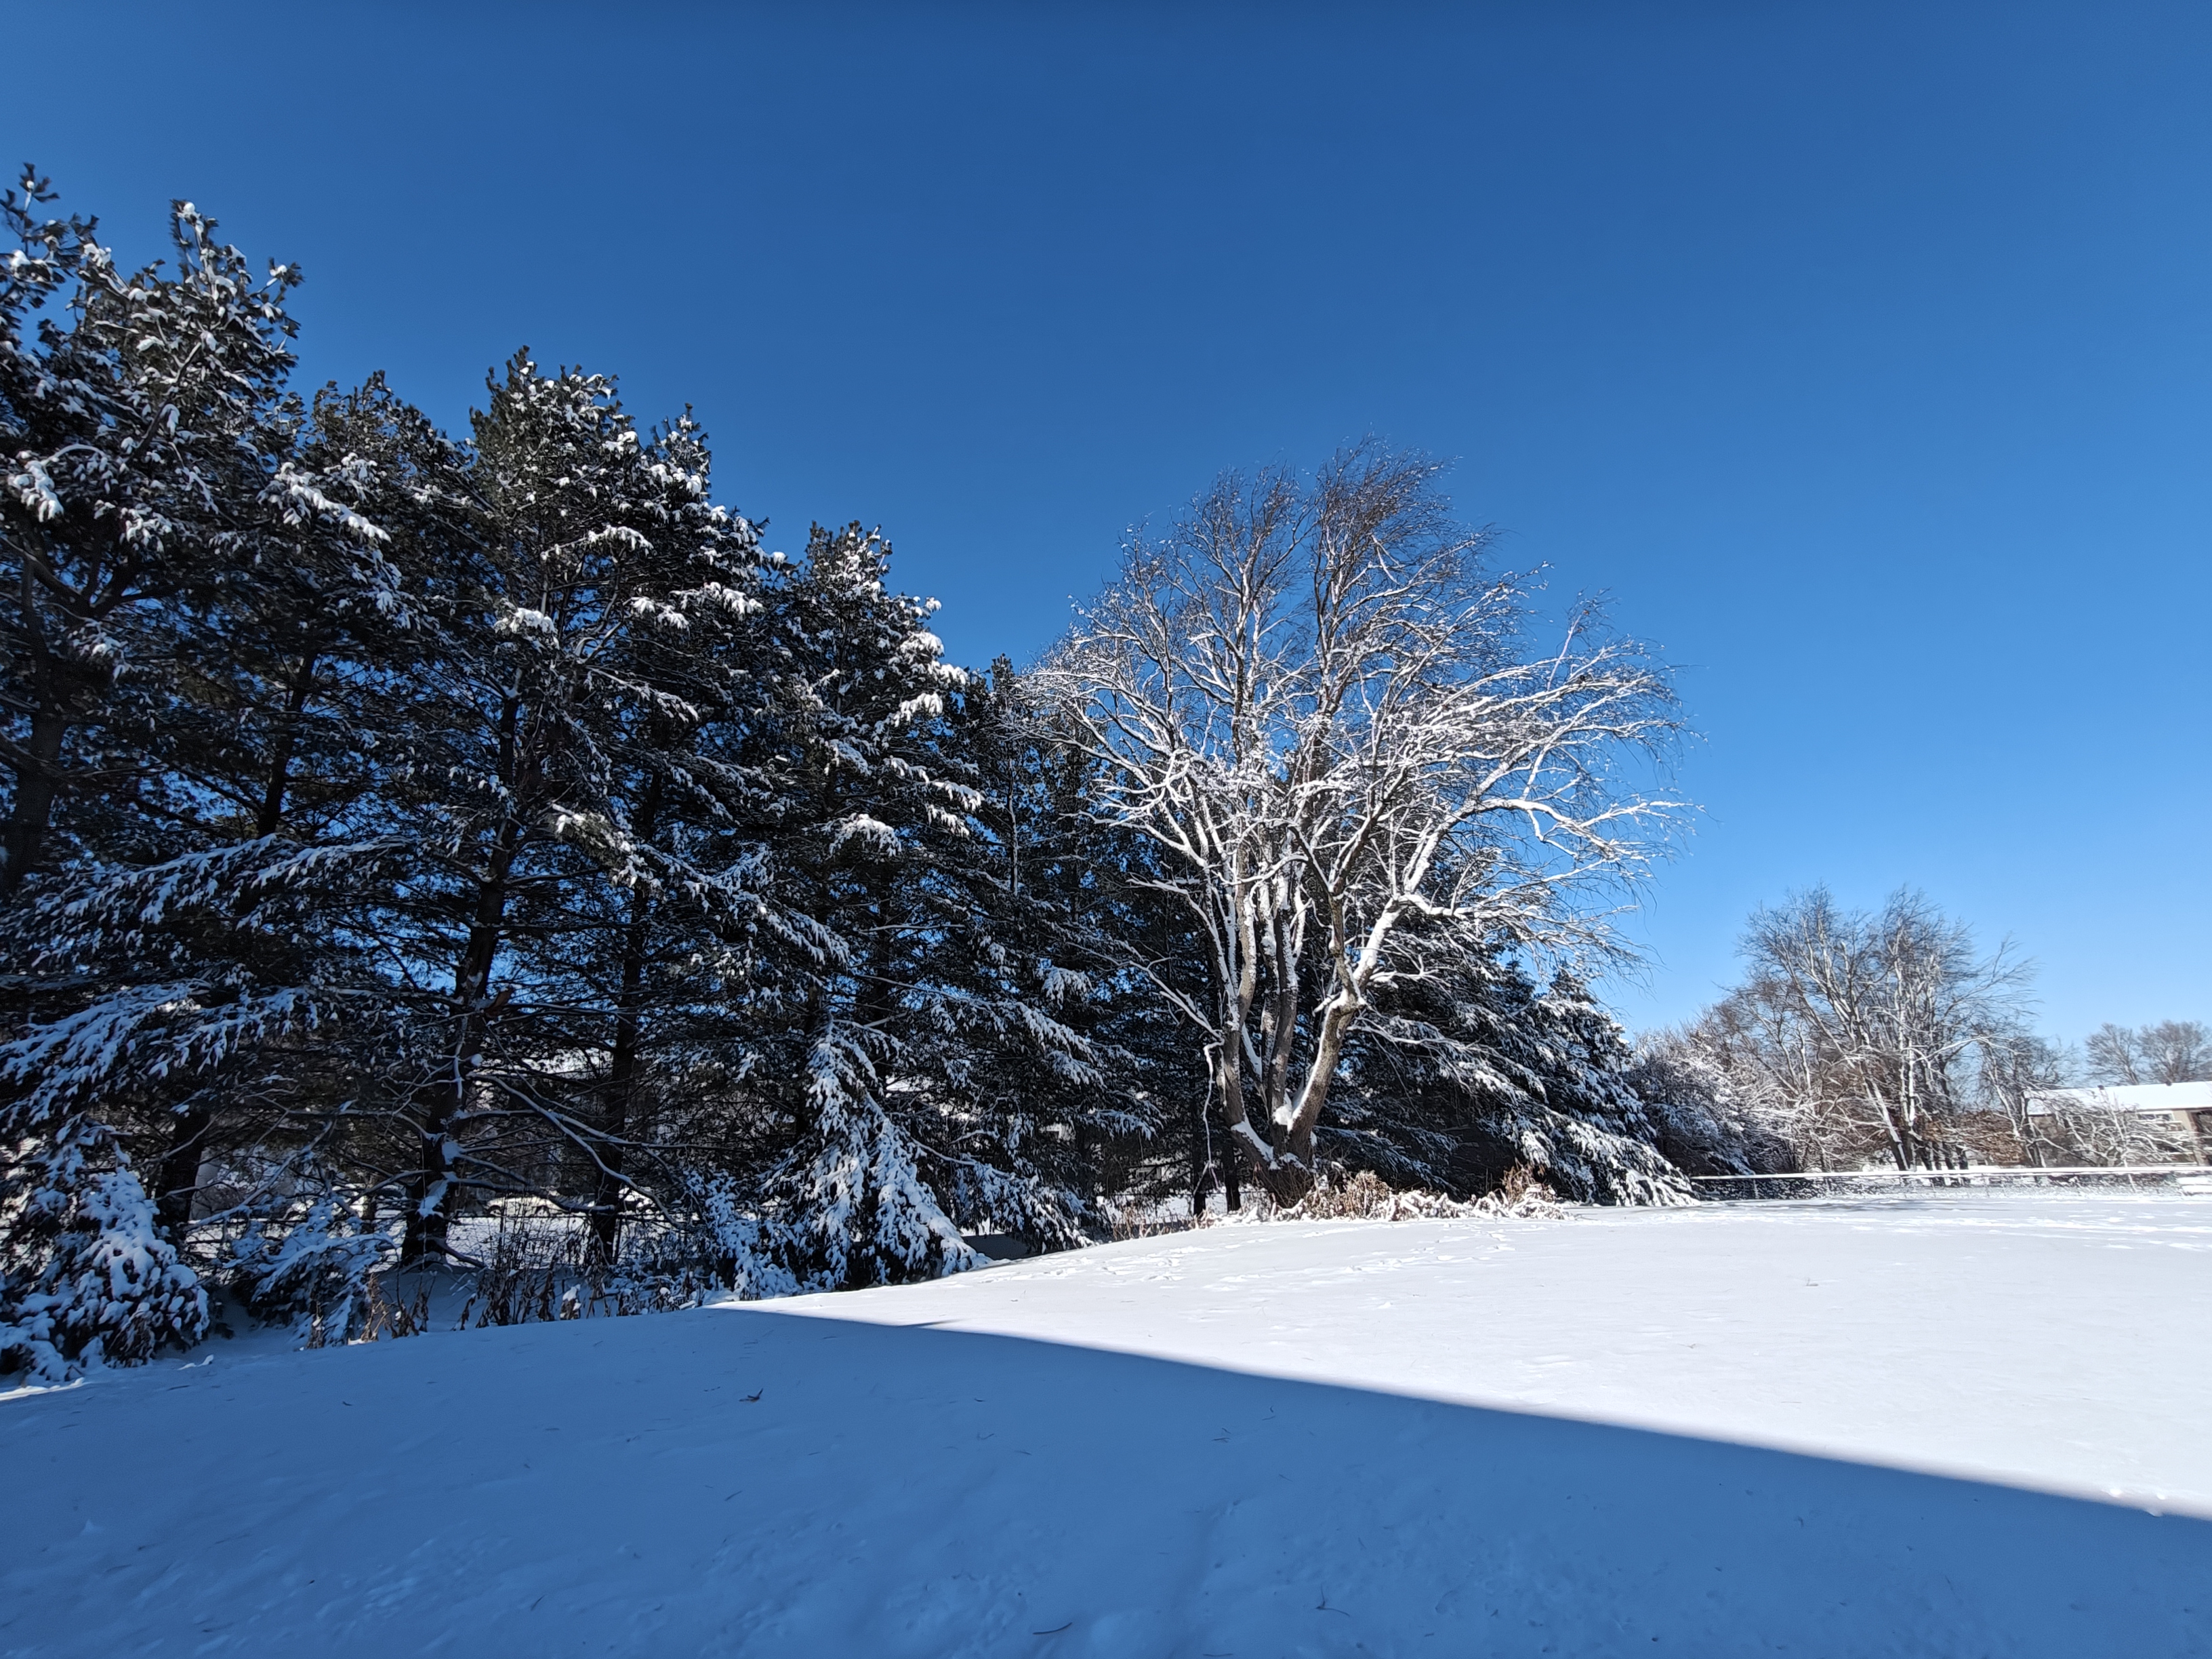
(1327, 711)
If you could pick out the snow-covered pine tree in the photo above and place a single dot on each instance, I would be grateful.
(1474, 1069)
(255, 799)
(862, 690)
(523, 774)
(659, 952)
(266, 751)
(1012, 1000)
(145, 444)
(1042, 876)
(916, 1051)
(88, 1277)
(151, 453)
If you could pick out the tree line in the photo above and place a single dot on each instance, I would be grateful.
(1885, 1039)
(406, 829)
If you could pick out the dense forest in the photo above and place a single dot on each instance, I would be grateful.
(408, 831)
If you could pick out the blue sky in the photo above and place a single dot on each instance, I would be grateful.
(1860, 353)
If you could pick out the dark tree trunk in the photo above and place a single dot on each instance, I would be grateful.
(621, 1071)
(428, 1213)
(38, 781)
(1232, 1179)
(1217, 1157)
(39, 773)
(1203, 1163)
(1292, 1175)
(178, 1181)
(287, 745)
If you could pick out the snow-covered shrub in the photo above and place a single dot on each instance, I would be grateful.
(745, 1251)
(2086, 1127)
(85, 1277)
(854, 1208)
(314, 1269)
(1364, 1196)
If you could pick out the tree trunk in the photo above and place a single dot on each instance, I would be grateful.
(1215, 1159)
(1201, 1153)
(179, 1180)
(609, 1184)
(427, 1217)
(36, 786)
(288, 741)
(1284, 1164)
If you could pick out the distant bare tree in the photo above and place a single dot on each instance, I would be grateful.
(2171, 1051)
(1322, 711)
(1864, 1030)
(2086, 1127)
(2018, 1069)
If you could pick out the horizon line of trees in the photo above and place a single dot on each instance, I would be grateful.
(401, 830)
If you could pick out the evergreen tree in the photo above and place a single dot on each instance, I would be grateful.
(520, 753)
(1471, 1074)
(151, 456)
(872, 830)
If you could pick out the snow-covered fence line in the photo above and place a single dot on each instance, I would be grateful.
(1812, 1183)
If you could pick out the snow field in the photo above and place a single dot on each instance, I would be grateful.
(1329, 1438)
(2049, 1340)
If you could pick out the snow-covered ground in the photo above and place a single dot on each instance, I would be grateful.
(1708, 1432)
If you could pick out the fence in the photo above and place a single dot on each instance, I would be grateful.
(1822, 1183)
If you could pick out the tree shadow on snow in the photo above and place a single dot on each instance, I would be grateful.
(748, 1481)
(1165, 1507)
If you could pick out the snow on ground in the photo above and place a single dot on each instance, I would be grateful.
(1320, 1438)
(2055, 1341)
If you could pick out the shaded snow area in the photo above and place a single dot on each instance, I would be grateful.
(1933, 1424)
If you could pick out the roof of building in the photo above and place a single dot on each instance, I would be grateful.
(2131, 1098)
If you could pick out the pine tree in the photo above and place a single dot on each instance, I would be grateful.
(520, 751)
(861, 692)
(88, 1278)
(147, 444)
(1472, 1073)
(152, 454)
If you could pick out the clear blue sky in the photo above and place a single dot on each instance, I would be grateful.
(1861, 352)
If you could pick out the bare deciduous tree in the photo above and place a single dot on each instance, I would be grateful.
(1873, 1029)
(2087, 1126)
(2171, 1051)
(1321, 706)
